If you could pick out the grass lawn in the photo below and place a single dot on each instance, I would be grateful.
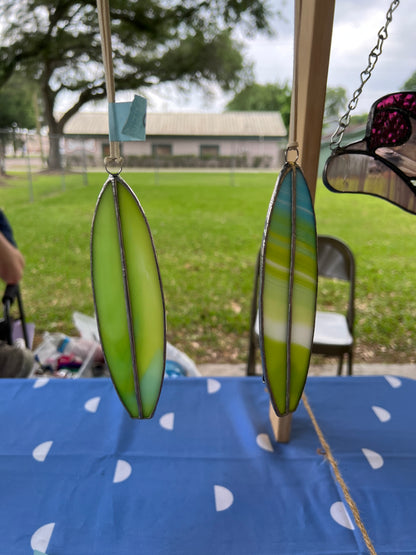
(207, 228)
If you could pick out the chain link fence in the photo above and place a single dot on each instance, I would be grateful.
(26, 152)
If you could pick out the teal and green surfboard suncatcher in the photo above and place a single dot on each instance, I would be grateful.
(288, 288)
(128, 297)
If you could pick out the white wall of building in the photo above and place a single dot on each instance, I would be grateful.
(254, 150)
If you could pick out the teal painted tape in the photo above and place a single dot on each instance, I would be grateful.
(127, 120)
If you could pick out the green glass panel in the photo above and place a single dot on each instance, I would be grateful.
(286, 384)
(141, 320)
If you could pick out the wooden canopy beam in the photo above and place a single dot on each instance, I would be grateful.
(314, 44)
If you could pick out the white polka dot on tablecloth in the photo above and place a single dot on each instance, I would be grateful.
(40, 382)
(92, 404)
(393, 381)
(223, 498)
(167, 421)
(375, 460)
(40, 452)
(213, 385)
(339, 513)
(382, 414)
(41, 538)
(264, 442)
(122, 471)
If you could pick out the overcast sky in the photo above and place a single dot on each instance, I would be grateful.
(356, 25)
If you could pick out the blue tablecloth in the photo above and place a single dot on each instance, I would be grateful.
(204, 476)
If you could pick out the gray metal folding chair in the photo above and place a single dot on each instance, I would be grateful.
(334, 331)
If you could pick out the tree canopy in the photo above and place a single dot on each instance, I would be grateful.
(17, 110)
(17, 103)
(57, 44)
(410, 84)
(335, 102)
(269, 97)
(277, 97)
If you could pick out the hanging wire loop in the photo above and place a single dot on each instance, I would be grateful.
(364, 77)
(292, 148)
(113, 165)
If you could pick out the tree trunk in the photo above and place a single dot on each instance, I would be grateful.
(2, 157)
(55, 130)
(54, 158)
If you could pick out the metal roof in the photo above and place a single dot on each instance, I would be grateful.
(227, 124)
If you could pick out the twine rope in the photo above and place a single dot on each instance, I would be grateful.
(114, 159)
(348, 498)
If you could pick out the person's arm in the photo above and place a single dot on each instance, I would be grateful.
(11, 262)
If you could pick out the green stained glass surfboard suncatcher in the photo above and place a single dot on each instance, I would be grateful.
(288, 286)
(125, 275)
(128, 297)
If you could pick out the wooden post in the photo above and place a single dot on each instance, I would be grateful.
(281, 425)
(316, 20)
(313, 32)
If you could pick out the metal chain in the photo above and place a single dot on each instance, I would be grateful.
(364, 77)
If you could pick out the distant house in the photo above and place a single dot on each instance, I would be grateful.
(230, 139)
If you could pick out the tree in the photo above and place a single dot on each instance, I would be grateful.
(57, 44)
(359, 119)
(269, 97)
(410, 84)
(16, 111)
(335, 103)
(277, 97)
(17, 104)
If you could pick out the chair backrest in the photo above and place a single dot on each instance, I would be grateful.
(11, 293)
(336, 260)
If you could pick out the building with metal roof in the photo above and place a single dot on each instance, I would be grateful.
(229, 139)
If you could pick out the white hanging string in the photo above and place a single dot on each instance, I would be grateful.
(114, 159)
(293, 125)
